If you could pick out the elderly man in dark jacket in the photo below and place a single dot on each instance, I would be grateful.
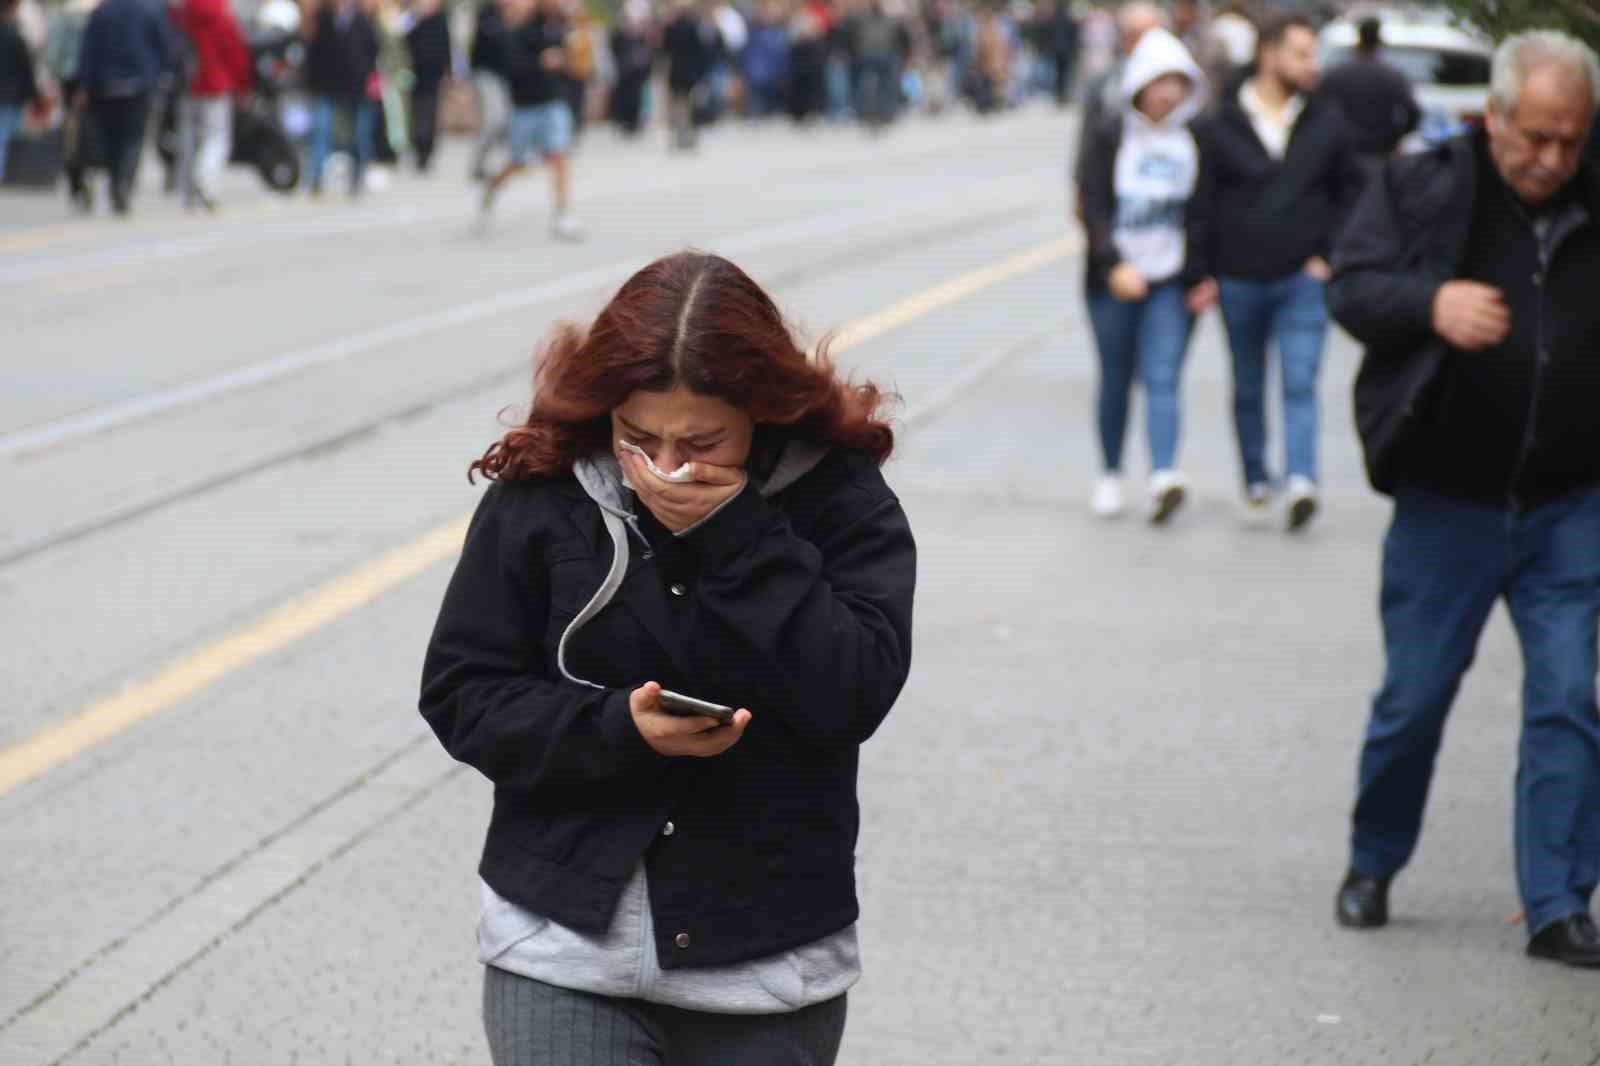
(1470, 274)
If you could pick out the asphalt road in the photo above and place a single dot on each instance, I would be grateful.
(1104, 824)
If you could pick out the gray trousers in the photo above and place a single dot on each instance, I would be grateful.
(530, 1023)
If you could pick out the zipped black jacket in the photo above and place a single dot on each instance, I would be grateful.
(1422, 418)
(1269, 216)
(796, 606)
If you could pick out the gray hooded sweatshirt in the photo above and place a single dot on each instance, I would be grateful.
(1158, 164)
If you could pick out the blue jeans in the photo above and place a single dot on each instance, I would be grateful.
(1147, 339)
(1445, 564)
(544, 130)
(360, 116)
(1291, 312)
(10, 119)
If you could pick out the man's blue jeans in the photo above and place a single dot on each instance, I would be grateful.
(1291, 312)
(360, 116)
(1445, 564)
(1148, 340)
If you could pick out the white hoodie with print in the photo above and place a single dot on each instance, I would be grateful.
(1158, 163)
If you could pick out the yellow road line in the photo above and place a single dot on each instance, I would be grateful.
(305, 614)
(953, 291)
(278, 629)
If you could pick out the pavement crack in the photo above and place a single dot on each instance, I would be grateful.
(351, 787)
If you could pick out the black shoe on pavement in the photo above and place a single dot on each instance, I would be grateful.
(1574, 940)
(1363, 902)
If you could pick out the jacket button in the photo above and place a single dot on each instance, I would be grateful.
(668, 829)
(678, 589)
(682, 940)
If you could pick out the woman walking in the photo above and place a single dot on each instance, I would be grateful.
(691, 505)
(1140, 174)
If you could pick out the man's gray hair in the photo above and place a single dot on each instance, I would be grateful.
(1519, 56)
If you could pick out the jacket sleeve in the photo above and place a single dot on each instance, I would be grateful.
(1198, 214)
(1373, 294)
(815, 634)
(1097, 198)
(89, 53)
(1350, 178)
(485, 691)
(24, 60)
(242, 64)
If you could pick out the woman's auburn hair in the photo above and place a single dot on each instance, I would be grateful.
(694, 320)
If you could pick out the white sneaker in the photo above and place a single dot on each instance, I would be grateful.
(1302, 502)
(567, 228)
(1168, 490)
(1257, 512)
(1107, 500)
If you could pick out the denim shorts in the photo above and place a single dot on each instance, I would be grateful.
(545, 130)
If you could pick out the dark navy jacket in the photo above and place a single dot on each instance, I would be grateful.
(126, 48)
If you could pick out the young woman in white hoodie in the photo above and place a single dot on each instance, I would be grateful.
(1140, 179)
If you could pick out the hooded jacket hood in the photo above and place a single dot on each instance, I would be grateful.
(601, 477)
(1159, 53)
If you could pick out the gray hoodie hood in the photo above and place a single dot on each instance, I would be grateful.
(1158, 163)
(601, 477)
(1159, 53)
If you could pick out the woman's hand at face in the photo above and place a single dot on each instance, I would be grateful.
(679, 505)
(675, 735)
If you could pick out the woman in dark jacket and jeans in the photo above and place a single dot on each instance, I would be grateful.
(691, 505)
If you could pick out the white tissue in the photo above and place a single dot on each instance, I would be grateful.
(680, 475)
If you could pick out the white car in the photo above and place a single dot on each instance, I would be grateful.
(1448, 68)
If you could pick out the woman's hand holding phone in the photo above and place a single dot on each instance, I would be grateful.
(679, 505)
(675, 735)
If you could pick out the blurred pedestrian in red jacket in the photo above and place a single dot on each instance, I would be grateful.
(222, 70)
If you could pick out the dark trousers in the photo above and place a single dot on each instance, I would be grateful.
(530, 1023)
(122, 121)
(73, 123)
(1446, 563)
(424, 122)
(627, 101)
(1062, 70)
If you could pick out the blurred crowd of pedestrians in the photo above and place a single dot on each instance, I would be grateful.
(296, 87)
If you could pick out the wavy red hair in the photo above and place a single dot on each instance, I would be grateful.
(689, 319)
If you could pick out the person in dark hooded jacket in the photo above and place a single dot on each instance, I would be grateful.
(693, 506)
(341, 64)
(127, 46)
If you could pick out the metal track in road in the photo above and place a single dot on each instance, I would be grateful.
(138, 249)
(800, 275)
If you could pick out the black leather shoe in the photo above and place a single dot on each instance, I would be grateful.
(1363, 902)
(1573, 940)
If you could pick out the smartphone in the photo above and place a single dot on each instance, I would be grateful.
(688, 706)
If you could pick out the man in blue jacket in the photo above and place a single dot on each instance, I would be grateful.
(1469, 272)
(126, 48)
